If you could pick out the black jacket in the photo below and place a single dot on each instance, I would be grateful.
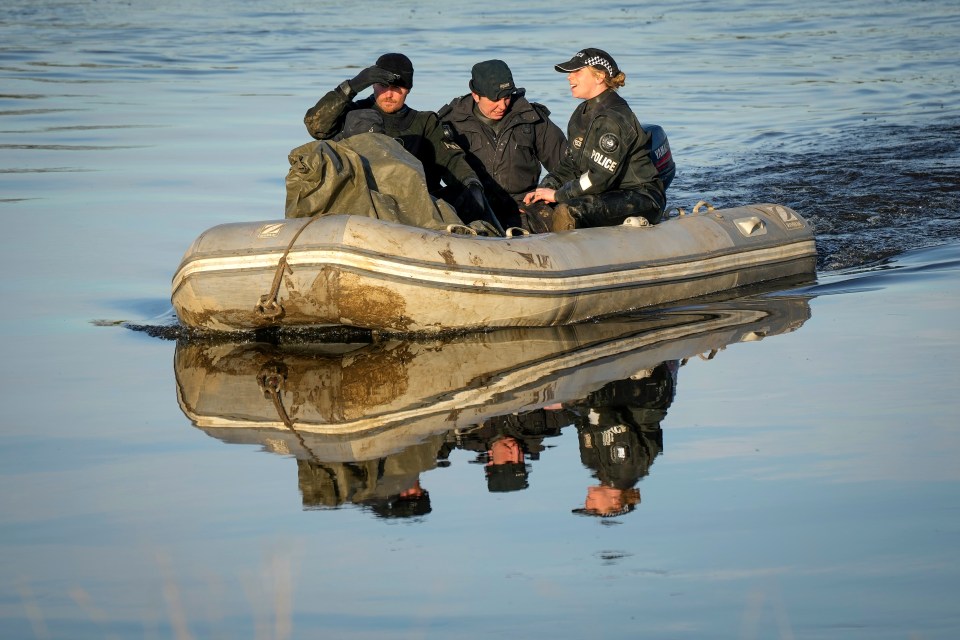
(418, 131)
(607, 151)
(508, 163)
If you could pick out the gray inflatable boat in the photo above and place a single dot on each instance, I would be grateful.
(363, 272)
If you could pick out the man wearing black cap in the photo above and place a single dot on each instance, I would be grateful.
(608, 175)
(506, 138)
(418, 131)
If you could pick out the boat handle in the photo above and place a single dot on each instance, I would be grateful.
(461, 230)
(696, 207)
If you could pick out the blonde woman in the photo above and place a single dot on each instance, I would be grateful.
(607, 174)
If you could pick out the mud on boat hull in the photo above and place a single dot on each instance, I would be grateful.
(362, 272)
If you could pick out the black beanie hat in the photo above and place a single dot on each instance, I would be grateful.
(399, 64)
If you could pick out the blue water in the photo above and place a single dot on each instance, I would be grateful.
(802, 485)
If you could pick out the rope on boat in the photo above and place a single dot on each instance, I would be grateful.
(268, 306)
(270, 379)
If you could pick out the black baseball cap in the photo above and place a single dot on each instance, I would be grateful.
(492, 79)
(590, 58)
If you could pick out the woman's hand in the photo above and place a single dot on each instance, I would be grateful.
(540, 195)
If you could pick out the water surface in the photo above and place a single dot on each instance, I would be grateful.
(787, 465)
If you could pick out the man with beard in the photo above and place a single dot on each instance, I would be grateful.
(419, 132)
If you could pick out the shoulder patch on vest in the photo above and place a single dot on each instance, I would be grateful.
(609, 142)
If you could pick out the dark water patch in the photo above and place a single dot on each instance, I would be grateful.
(171, 329)
(871, 193)
(33, 112)
(913, 267)
(69, 147)
(101, 127)
(47, 170)
(180, 332)
(610, 557)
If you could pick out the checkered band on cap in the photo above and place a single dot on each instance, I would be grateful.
(594, 61)
(590, 58)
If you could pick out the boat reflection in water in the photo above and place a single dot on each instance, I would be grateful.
(364, 421)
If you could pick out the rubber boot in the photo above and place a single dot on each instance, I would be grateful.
(543, 218)
(562, 219)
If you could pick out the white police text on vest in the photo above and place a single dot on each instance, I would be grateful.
(602, 160)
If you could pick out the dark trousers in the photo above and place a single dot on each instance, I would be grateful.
(613, 207)
(602, 210)
(504, 207)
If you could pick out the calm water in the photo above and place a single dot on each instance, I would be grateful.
(787, 468)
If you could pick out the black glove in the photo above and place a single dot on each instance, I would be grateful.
(482, 207)
(470, 203)
(479, 199)
(371, 76)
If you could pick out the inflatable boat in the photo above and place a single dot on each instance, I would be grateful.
(358, 271)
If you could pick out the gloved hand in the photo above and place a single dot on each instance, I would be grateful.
(479, 206)
(371, 76)
(479, 199)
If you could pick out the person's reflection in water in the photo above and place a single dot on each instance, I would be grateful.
(409, 503)
(388, 487)
(620, 435)
(505, 443)
(505, 468)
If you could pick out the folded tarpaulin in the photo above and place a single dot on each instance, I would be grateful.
(368, 174)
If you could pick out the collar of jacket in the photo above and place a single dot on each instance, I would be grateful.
(398, 121)
(598, 102)
(520, 111)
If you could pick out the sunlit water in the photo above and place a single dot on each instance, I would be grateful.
(798, 480)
